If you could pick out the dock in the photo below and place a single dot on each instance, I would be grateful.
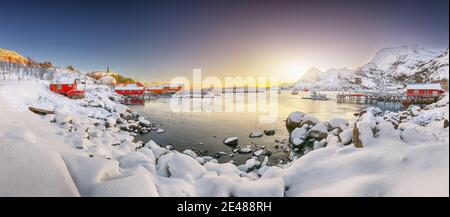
(383, 97)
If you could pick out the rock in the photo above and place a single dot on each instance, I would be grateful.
(268, 153)
(356, 139)
(345, 137)
(269, 132)
(200, 160)
(306, 123)
(297, 141)
(445, 123)
(299, 133)
(258, 152)
(245, 150)
(133, 126)
(318, 135)
(337, 123)
(231, 141)
(318, 145)
(159, 130)
(144, 123)
(250, 163)
(276, 146)
(293, 121)
(318, 132)
(127, 116)
(256, 134)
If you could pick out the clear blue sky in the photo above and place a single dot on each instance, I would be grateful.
(156, 40)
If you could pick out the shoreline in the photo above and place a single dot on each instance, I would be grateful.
(88, 128)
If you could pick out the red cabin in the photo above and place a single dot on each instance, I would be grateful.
(67, 88)
(424, 90)
(130, 89)
(167, 89)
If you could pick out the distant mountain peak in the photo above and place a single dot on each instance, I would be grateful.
(389, 66)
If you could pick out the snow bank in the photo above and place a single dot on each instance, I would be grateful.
(400, 157)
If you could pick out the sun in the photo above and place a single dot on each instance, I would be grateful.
(293, 70)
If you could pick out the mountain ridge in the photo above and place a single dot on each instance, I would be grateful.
(390, 66)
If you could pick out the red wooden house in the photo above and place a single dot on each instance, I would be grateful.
(166, 89)
(67, 88)
(130, 89)
(424, 90)
(133, 93)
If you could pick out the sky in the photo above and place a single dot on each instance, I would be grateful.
(158, 40)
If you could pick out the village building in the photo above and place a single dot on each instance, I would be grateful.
(67, 87)
(424, 90)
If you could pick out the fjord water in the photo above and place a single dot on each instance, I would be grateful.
(207, 130)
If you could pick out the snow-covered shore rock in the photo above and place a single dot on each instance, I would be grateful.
(391, 162)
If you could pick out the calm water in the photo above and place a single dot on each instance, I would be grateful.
(207, 130)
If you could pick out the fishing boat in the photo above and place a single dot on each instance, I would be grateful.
(314, 95)
(294, 92)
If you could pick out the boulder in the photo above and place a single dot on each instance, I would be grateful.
(356, 139)
(269, 132)
(318, 132)
(231, 141)
(294, 120)
(245, 150)
(256, 134)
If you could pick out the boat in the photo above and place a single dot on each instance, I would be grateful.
(40, 111)
(314, 95)
(294, 92)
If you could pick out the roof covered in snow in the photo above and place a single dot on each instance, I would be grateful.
(431, 86)
(64, 80)
(129, 87)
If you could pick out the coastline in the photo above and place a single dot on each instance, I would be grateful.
(95, 154)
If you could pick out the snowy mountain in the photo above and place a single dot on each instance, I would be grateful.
(331, 79)
(436, 69)
(389, 67)
(396, 65)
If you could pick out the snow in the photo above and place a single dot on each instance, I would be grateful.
(346, 136)
(129, 87)
(299, 133)
(39, 157)
(87, 171)
(258, 152)
(184, 167)
(256, 134)
(296, 117)
(190, 153)
(338, 122)
(245, 150)
(389, 67)
(136, 185)
(260, 188)
(26, 170)
(230, 139)
(430, 86)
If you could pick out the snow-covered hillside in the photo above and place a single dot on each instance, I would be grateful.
(435, 69)
(389, 67)
(332, 79)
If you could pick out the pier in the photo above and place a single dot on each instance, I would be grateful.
(383, 97)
